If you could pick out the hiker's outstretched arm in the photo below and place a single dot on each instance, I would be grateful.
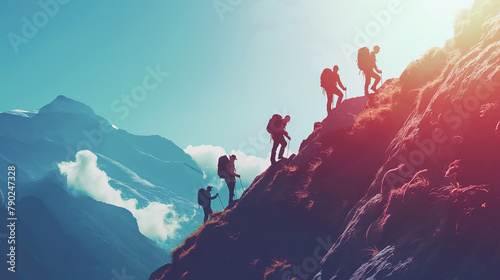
(286, 134)
(341, 85)
(215, 196)
(232, 170)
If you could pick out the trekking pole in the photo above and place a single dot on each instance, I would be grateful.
(242, 190)
(221, 203)
(288, 150)
(235, 192)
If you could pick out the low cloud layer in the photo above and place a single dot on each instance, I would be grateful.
(156, 221)
(206, 156)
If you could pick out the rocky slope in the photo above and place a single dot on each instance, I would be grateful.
(404, 188)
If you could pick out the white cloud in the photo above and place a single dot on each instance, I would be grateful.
(206, 156)
(250, 167)
(156, 221)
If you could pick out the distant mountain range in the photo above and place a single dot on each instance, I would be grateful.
(63, 234)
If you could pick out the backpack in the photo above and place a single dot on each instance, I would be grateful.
(202, 198)
(364, 59)
(274, 124)
(327, 78)
(222, 167)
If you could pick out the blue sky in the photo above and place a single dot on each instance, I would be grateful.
(220, 74)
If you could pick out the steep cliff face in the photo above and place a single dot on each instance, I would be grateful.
(405, 187)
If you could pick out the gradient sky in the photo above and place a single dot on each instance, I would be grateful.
(228, 72)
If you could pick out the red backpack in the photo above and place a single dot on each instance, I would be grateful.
(222, 170)
(275, 124)
(364, 59)
(327, 78)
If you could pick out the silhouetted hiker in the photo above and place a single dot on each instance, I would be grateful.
(367, 62)
(205, 200)
(329, 80)
(276, 127)
(227, 171)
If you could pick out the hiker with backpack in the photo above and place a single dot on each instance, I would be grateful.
(226, 170)
(205, 200)
(367, 63)
(329, 80)
(277, 128)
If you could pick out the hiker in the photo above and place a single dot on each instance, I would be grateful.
(205, 200)
(227, 171)
(367, 63)
(276, 127)
(231, 179)
(329, 80)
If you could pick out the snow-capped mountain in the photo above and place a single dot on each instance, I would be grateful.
(72, 223)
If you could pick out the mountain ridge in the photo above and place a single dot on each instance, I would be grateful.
(405, 189)
(64, 104)
(85, 238)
